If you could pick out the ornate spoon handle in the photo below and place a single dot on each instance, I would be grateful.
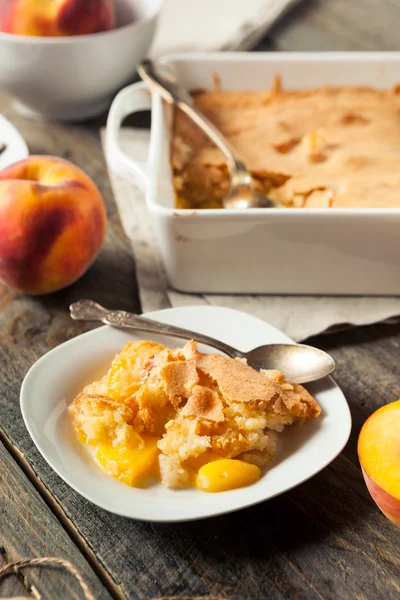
(87, 310)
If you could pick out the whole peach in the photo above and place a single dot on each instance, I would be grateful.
(379, 454)
(52, 224)
(56, 17)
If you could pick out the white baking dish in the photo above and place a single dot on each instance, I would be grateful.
(284, 251)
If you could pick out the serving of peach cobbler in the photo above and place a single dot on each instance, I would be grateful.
(186, 418)
(330, 147)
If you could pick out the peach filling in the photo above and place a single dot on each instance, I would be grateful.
(226, 474)
(136, 463)
(133, 463)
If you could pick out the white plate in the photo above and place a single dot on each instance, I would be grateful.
(16, 148)
(53, 381)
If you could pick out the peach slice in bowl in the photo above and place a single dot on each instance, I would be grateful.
(379, 455)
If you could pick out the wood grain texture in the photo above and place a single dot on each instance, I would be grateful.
(28, 529)
(14, 586)
(323, 540)
(339, 25)
(29, 327)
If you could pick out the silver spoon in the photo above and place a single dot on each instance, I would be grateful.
(298, 362)
(242, 193)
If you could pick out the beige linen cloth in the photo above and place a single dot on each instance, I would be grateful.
(298, 316)
(208, 25)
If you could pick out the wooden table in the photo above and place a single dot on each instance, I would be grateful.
(324, 539)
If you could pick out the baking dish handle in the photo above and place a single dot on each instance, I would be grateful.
(131, 99)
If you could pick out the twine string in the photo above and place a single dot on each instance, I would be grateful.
(54, 563)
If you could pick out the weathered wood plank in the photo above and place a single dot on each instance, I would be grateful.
(339, 25)
(12, 586)
(325, 539)
(291, 545)
(29, 529)
(29, 327)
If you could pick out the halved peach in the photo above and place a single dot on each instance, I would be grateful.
(379, 455)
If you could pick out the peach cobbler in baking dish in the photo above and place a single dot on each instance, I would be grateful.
(320, 148)
(186, 418)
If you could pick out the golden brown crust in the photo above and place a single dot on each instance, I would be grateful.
(307, 406)
(238, 382)
(189, 350)
(204, 403)
(179, 378)
(324, 147)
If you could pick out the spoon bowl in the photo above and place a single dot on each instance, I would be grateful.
(242, 194)
(298, 362)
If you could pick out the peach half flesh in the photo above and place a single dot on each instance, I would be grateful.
(52, 224)
(379, 455)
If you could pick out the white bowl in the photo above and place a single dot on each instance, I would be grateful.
(280, 251)
(75, 77)
(54, 380)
